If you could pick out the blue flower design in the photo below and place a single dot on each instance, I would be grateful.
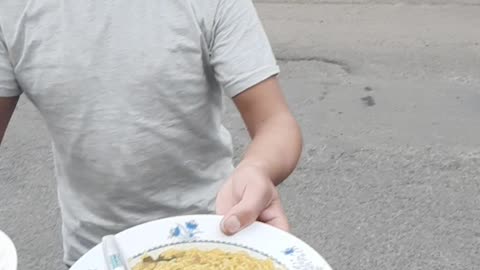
(185, 232)
(299, 259)
(175, 232)
(289, 251)
(191, 225)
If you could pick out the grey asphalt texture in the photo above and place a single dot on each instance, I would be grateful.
(388, 97)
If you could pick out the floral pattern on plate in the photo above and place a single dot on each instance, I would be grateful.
(299, 259)
(185, 232)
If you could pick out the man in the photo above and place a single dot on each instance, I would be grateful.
(131, 92)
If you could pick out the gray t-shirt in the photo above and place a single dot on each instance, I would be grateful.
(131, 92)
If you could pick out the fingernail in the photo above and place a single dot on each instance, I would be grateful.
(232, 225)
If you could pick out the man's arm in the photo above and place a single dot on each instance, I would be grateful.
(241, 56)
(276, 138)
(250, 194)
(7, 106)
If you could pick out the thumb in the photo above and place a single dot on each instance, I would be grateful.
(247, 211)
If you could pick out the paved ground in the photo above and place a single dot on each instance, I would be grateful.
(389, 100)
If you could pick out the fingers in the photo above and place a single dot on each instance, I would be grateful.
(254, 201)
(225, 199)
(275, 216)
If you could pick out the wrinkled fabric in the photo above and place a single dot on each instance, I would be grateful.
(131, 93)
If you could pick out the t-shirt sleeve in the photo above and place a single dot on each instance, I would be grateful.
(8, 84)
(240, 52)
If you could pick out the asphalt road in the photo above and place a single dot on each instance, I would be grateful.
(388, 97)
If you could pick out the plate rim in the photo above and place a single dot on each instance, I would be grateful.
(298, 243)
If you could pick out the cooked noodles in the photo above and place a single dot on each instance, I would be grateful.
(195, 259)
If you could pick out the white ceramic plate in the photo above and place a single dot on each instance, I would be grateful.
(8, 253)
(203, 232)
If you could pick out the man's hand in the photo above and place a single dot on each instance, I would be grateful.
(247, 196)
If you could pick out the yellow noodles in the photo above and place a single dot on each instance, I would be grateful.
(195, 259)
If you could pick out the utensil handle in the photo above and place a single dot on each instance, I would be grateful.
(113, 255)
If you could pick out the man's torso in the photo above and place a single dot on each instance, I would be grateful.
(131, 104)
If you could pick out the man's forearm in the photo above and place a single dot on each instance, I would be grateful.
(276, 147)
